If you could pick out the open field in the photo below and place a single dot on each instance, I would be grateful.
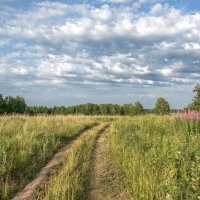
(27, 143)
(99, 99)
(156, 157)
(78, 157)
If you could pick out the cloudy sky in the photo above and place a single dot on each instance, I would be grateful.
(101, 51)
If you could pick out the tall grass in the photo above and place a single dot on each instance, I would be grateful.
(72, 180)
(27, 143)
(157, 157)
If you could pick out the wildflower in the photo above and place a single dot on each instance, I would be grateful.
(185, 114)
(168, 196)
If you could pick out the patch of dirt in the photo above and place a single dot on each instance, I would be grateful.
(103, 174)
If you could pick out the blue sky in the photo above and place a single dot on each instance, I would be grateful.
(100, 51)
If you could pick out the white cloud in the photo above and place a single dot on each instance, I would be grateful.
(104, 13)
(82, 44)
(4, 42)
(192, 46)
(20, 70)
(105, 22)
(116, 1)
(139, 3)
(166, 71)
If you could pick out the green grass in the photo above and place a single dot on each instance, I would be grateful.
(27, 143)
(156, 157)
(72, 180)
(152, 157)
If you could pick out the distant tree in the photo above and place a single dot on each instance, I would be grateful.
(162, 106)
(88, 109)
(9, 104)
(103, 109)
(20, 105)
(71, 110)
(15, 104)
(128, 109)
(138, 108)
(115, 109)
(132, 109)
(195, 105)
(2, 104)
(95, 109)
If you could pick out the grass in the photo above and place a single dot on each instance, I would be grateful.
(27, 143)
(157, 157)
(72, 180)
(152, 157)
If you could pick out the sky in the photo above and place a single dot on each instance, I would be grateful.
(68, 52)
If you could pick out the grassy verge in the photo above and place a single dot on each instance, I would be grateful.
(157, 157)
(72, 180)
(27, 143)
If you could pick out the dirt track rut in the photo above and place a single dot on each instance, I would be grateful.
(42, 177)
(104, 174)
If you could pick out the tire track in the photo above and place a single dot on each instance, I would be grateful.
(103, 174)
(42, 177)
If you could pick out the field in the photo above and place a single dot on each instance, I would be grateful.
(77, 157)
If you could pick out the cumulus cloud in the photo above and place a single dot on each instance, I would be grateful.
(4, 42)
(139, 3)
(62, 44)
(116, 1)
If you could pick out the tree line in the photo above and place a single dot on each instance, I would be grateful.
(17, 105)
(90, 109)
(12, 105)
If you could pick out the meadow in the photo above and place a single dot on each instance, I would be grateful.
(157, 157)
(145, 157)
(27, 143)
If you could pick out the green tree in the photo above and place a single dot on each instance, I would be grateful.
(20, 105)
(162, 106)
(9, 104)
(138, 108)
(2, 104)
(128, 109)
(103, 109)
(195, 105)
(15, 104)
